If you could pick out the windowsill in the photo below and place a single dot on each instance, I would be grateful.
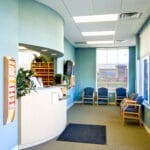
(146, 105)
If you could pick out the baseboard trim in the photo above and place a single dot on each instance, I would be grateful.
(23, 146)
(146, 128)
(15, 148)
(78, 102)
(70, 105)
(35, 143)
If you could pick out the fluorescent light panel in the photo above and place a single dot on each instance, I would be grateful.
(100, 42)
(96, 18)
(98, 33)
(53, 54)
(44, 50)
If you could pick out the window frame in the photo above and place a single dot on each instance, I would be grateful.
(109, 49)
(147, 101)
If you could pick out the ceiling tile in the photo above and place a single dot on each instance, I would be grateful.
(106, 6)
(78, 7)
(125, 29)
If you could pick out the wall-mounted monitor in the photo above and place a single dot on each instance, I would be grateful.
(68, 66)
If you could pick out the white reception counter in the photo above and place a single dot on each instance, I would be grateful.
(42, 116)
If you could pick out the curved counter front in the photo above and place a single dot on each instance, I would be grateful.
(42, 116)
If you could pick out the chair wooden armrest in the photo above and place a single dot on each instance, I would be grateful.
(126, 101)
(130, 101)
(133, 104)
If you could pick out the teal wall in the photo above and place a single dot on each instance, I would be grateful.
(132, 69)
(69, 54)
(8, 47)
(85, 72)
(40, 26)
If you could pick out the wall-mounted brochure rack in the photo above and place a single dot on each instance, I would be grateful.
(9, 89)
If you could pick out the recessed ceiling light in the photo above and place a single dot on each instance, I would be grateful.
(44, 50)
(122, 41)
(96, 18)
(100, 42)
(22, 47)
(98, 33)
(53, 54)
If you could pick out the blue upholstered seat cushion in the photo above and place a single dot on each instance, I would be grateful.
(102, 96)
(88, 96)
(131, 109)
(121, 97)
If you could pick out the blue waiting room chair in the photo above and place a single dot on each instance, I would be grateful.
(88, 95)
(120, 94)
(132, 110)
(102, 96)
(131, 99)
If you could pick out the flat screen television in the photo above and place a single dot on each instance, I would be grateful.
(68, 68)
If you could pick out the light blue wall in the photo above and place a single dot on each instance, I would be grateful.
(85, 71)
(132, 69)
(69, 54)
(40, 26)
(8, 47)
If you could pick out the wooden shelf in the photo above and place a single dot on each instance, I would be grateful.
(45, 70)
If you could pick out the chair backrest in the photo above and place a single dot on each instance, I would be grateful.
(139, 100)
(121, 92)
(102, 91)
(88, 91)
(133, 96)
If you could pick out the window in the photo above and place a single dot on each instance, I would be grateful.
(112, 68)
(145, 79)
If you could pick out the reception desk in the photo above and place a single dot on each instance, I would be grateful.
(42, 116)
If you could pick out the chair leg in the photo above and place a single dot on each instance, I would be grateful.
(140, 121)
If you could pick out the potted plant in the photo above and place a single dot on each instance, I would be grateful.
(58, 78)
(39, 59)
(66, 79)
(23, 82)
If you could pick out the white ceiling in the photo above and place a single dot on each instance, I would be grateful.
(125, 29)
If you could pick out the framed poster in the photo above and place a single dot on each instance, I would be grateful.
(9, 89)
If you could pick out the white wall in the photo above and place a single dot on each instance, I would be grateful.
(145, 42)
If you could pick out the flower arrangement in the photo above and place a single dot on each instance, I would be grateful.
(23, 80)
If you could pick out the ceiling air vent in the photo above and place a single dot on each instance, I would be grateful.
(121, 41)
(130, 15)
